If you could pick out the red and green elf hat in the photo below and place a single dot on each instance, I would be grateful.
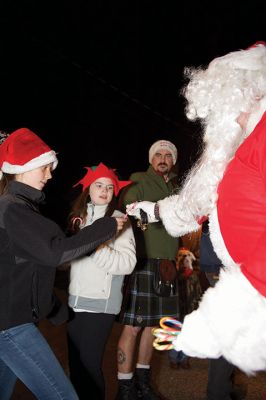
(101, 171)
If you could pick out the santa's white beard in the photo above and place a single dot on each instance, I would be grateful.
(255, 116)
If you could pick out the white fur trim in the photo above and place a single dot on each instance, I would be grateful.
(256, 115)
(231, 318)
(176, 216)
(218, 242)
(43, 159)
(230, 321)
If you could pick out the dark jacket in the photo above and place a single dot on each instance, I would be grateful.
(32, 246)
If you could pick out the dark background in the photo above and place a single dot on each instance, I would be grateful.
(101, 80)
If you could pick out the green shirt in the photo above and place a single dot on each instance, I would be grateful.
(155, 242)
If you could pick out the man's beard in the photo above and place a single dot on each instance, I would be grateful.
(162, 173)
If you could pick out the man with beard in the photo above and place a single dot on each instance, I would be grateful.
(145, 302)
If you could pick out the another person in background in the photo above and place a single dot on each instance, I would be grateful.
(210, 264)
(96, 281)
(227, 185)
(146, 300)
(32, 246)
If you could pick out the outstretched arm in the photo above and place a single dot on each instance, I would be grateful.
(175, 216)
(150, 208)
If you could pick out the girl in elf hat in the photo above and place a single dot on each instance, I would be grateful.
(32, 246)
(96, 280)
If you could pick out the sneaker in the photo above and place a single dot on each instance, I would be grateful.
(126, 390)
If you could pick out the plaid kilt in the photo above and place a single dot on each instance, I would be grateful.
(141, 306)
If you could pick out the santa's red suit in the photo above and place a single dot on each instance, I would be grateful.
(241, 207)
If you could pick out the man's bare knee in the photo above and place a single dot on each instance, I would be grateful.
(132, 330)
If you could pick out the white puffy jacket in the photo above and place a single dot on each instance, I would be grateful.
(96, 279)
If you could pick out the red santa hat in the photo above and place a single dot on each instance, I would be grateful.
(163, 145)
(101, 171)
(23, 151)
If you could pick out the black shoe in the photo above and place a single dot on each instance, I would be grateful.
(144, 389)
(126, 390)
(239, 392)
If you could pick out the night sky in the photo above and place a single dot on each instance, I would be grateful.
(101, 80)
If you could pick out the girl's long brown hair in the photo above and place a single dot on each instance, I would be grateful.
(78, 211)
(6, 178)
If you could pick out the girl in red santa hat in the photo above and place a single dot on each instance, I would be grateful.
(95, 290)
(32, 246)
(227, 184)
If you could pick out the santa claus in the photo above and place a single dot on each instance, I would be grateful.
(227, 185)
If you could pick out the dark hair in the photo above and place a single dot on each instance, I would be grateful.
(6, 178)
(78, 211)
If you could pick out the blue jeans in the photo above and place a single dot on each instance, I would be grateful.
(25, 354)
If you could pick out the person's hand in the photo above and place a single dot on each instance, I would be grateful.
(146, 206)
(121, 222)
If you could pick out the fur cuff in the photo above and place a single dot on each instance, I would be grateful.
(230, 322)
(176, 218)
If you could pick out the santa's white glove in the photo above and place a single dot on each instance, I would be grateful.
(146, 206)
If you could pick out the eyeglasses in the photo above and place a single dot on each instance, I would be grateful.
(100, 186)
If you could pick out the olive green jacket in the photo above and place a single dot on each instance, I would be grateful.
(155, 242)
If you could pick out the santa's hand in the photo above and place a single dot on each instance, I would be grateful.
(146, 206)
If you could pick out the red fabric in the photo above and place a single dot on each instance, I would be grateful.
(22, 146)
(257, 43)
(187, 272)
(241, 207)
(201, 220)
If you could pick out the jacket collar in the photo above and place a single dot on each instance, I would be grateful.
(25, 191)
(95, 212)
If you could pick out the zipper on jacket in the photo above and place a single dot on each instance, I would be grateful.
(34, 297)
